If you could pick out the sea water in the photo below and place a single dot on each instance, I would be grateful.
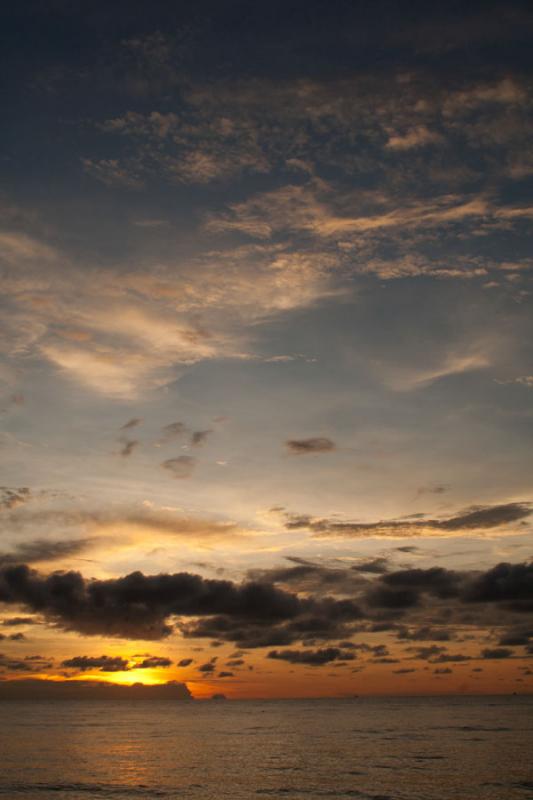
(375, 748)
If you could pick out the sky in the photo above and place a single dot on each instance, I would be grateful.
(266, 353)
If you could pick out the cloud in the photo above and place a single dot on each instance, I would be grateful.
(199, 438)
(257, 614)
(173, 431)
(153, 662)
(128, 446)
(317, 444)
(474, 520)
(185, 662)
(101, 663)
(139, 606)
(43, 550)
(10, 498)
(112, 173)
(312, 658)
(180, 467)
(134, 422)
(496, 653)
(415, 137)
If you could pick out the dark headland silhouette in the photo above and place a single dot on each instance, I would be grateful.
(35, 689)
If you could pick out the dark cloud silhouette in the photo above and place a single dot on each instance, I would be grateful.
(180, 467)
(184, 662)
(199, 438)
(317, 444)
(257, 613)
(374, 566)
(312, 658)
(496, 653)
(153, 662)
(207, 668)
(474, 519)
(40, 550)
(442, 671)
(138, 606)
(101, 663)
(511, 584)
(225, 674)
(14, 621)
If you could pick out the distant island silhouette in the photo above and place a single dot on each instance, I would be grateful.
(41, 689)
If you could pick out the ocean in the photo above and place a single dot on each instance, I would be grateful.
(368, 748)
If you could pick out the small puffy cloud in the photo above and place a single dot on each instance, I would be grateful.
(127, 446)
(419, 136)
(131, 423)
(153, 662)
(184, 662)
(100, 663)
(180, 467)
(316, 444)
(199, 438)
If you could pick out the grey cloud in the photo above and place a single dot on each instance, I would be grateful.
(180, 467)
(317, 444)
(470, 520)
(40, 550)
(131, 423)
(199, 438)
(128, 446)
(10, 497)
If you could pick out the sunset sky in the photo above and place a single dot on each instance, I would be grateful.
(266, 351)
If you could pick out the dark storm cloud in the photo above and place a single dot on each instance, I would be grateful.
(312, 658)
(10, 498)
(138, 606)
(101, 663)
(256, 613)
(470, 520)
(510, 584)
(180, 467)
(317, 444)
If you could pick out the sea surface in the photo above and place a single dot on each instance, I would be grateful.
(380, 749)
